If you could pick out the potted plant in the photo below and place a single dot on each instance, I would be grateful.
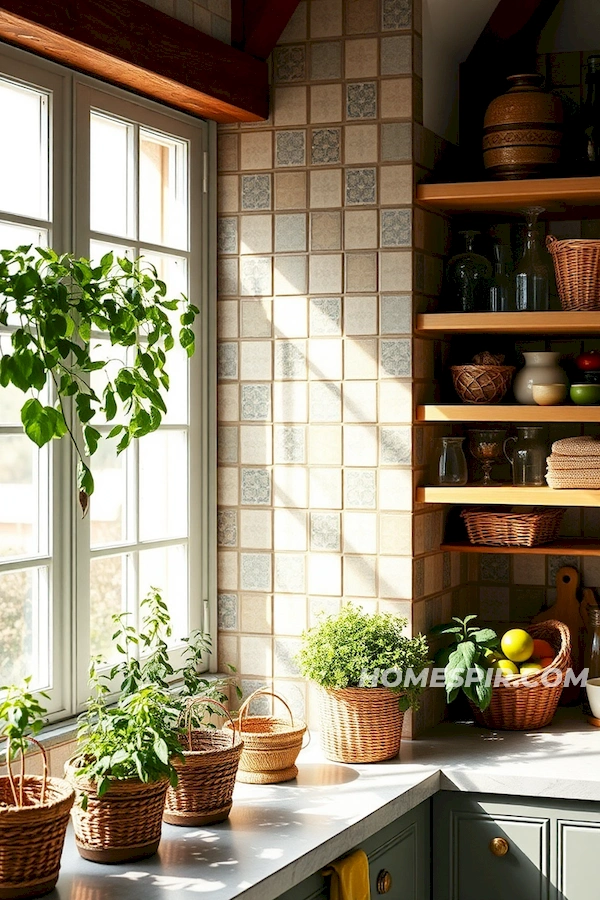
(58, 303)
(34, 810)
(360, 662)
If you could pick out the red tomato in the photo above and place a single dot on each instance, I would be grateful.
(589, 362)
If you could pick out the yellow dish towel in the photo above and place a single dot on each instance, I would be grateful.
(350, 877)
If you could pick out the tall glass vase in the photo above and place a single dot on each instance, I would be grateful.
(531, 274)
(468, 278)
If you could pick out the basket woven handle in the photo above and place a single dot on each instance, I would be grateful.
(19, 800)
(550, 242)
(187, 715)
(261, 691)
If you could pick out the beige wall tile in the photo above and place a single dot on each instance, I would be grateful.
(255, 529)
(325, 490)
(289, 105)
(361, 58)
(325, 359)
(325, 18)
(256, 445)
(360, 359)
(395, 271)
(360, 401)
(228, 193)
(228, 493)
(255, 361)
(325, 231)
(227, 146)
(325, 273)
(227, 570)
(256, 234)
(296, 29)
(290, 529)
(361, 272)
(396, 98)
(395, 577)
(360, 532)
(360, 445)
(290, 190)
(228, 403)
(326, 103)
(360, 315)
(362, 16)
(325, 574)
(256, 656)
(228, 650)
(256, 318)
(395, 185)
(395, 401)
(360, 576)
(256, 617)
(227, 318)
(256, 150)
(395, 489)
(361, 143)
(290, 402)
(360, 230)
(290, 487)
(290, 317)
(291, 274)
(289, 614)
(325, 445)
(325, 188)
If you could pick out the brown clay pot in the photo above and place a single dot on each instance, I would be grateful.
(523, 130)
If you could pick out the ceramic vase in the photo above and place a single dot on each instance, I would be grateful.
(540, 367)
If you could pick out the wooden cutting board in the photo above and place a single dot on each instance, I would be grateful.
(567, 610)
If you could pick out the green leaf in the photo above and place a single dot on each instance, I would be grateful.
(448, 628)
(483, 636)
(161, 750)
(92, 437)
(187, 339)
(37, 424)
(110, 404)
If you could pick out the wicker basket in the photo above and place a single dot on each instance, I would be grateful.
(206, 774)
(123, 824)
(524, 703)
(482, 384)
(32, 836)
(360, 724)
(577, 269)
(271, 745)
(505, 528)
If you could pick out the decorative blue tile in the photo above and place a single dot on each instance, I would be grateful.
(325, 401)
(227, 528)
(290, 148)
(227, 235)
(256, 487)
(227, 361)
(494, 567)
(360, 488)
(256, 402)
(289, 444)
(289, 573)
(324, 531)
(262, 705)
(396, 358)
(396, 15)
(256, 274)
(396, 228)
(360, 186)
(255, 574)
(256, 192)
(396, 314)
(289, 63)
(325, 316)
(290, 360)
(325, 149)
(361, 100)
(227, 606)
(396, 446)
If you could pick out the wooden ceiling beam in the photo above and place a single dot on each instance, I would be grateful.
(127, 43)
(258, 24)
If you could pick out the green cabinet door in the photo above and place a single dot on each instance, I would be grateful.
(578, 857)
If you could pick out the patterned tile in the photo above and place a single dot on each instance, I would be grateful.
(289, 573)
(290, 360)
(396, 358)
(396, 55)
(396, 228)
(557, 562)
(290, 233)
(325, 402)
(396, 141)
(325, 315)
(396, 317)
(361, 100)
(227, 361)
(227, 235)
(360, 488)
(227, 528)
(290, 148)
(325, 148)
(256, 402)
(256, 487)
(256, 192)
(262, 705)
(227, 607)
(289, 64)
(360, 186)
(494, 567)
(256, 276)
(324, 531)
(255, 572)
(396, 15)
(396, 446)
(289, 444)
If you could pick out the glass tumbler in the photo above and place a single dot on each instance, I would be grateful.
(452, 463)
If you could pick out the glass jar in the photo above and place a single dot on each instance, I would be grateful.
(452, 462)
(592, 651)
(531, 275)
(501, 288)
(468, 278)
(528, 457)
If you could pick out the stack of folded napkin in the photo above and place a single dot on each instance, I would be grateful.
(574, 463)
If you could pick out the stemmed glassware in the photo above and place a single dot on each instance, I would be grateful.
(487, 446)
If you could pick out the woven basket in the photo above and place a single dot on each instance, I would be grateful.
(504, 528)
(577, 269)
(206, 774)
(516, 706)
(34, 814)
(482, 384)
(271, 745)
(360, 724)
(124, 824)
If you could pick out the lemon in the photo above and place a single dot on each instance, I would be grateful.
(530, 667)
(507, 667)
(517, 645)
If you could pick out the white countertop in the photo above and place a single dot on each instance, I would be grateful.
(277, 835)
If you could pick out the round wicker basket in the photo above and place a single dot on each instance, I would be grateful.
(482, 384)
(577, 269)
(526, 702)
(360, 724)
(206, 774)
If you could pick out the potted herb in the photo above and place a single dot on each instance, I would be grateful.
(471, 650)
(34, 810)
(360, 663)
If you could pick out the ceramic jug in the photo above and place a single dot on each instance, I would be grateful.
(541, 367)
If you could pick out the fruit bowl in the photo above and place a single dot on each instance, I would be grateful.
(585, 394)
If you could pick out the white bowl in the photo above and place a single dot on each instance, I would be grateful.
(593, 694)
(549, 394)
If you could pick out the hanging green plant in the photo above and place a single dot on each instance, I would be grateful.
(53, 305)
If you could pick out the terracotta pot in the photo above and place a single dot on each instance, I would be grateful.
(522, 130)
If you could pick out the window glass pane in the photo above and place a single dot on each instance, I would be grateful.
(108, 504)
(163, 190)
(111, 182)
(166, 569)
(24, 158)
(163, 485)
(23, 497)
(13, 236)
(25, 626)
(99, 248)
(108, 595)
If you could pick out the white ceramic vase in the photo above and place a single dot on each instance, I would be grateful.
(541, 367)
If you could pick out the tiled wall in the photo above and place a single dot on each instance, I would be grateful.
(210, 16)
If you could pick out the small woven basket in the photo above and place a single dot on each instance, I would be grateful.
(271, 745)
(526, 702)
(360, 724)
(206, 774)
(34, 814)
(482, 384)
(577, 269)
(504, 528)
(124, 824)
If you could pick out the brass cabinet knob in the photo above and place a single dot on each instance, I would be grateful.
(499, 846)
(384, 882)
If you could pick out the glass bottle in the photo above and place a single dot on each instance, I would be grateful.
(588, 150)
(591, 659)
(452, 463)
(528, 457)
(468, 278)
(501, 288)
(531, 274)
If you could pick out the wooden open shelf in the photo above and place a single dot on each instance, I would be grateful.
(508, 495)
(554, 322)
(465, 412)
(562, 547)
(554, 194)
